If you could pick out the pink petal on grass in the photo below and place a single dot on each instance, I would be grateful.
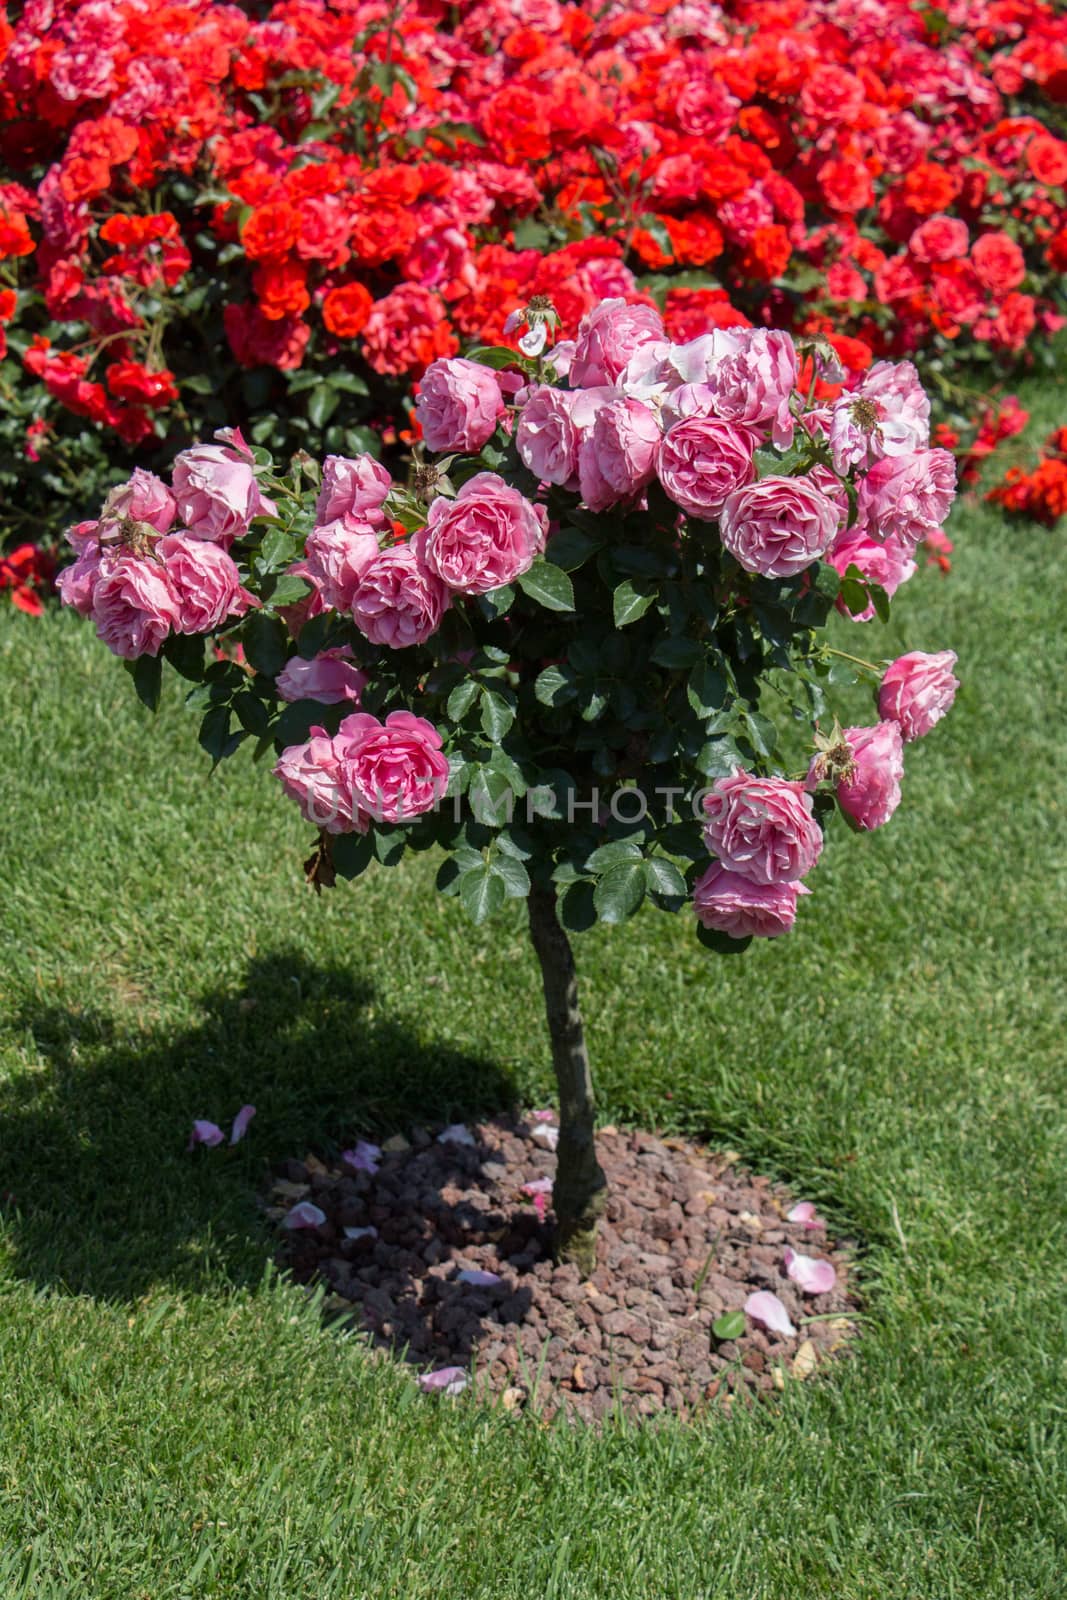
(478, 1278)
(767, 1308)
(810, 1275)
(446, 1380)
(208, 1133)
(456, 1133)
(304, 1215)
(804, 1212)
(240, 1123)
(364, 1157)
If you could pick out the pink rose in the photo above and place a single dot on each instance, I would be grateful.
(763, 828)
(873, 793)
(778, 526)
(908, 496)
(134, 605)
(399, 601)
(617, 454)
(488, 535)
(394, 770)
(702, 460)
(917, 690)
(755, 384)
(77, 583)
(144, 498)
(607, 338)
(887, 565)
(939, 239)
(728, 903)
(311, 775)
(545, 437)
(217, 493)
(205, 580)
(458, 405)
(335, 559)
(330, 677)
(352, 492)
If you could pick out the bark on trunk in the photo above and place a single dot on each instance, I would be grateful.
(579, 1194)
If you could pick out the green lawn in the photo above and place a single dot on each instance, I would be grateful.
(176, 1422)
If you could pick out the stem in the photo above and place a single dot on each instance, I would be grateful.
(580, 1190)
(857, 661)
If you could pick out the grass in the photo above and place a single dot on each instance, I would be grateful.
(176, 1420)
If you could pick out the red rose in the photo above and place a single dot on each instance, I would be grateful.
(998, 261)
(345, 310)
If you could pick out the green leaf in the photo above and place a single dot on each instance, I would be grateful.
(266, 642)
(461, 699)
(762, 732)
(322, 404)
(548, 585)
(576, 906)
(722, 943)
(731, 1325)
(388, 847)
(631, 601)
(515, 876)
(352, 853)
(482, 891)
(556, 685)
(251, 712)
(289, 590)
(185, 652)
(570, 547)
(707, 688)
(718, 758)
(496, 356)
(497, 715)
(214, 736)
(147, 675)
(663, 877)
(495, 602)
(880, 601)
(675, 652)
(620, 891)
(610, 855)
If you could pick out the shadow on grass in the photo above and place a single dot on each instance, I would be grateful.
(99, 1193)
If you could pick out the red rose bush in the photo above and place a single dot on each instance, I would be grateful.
(580, 653)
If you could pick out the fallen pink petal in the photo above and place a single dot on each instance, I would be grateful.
(206, 1133)
(765, 1307)
(305, 1215)
(537, 1186)
(478, 1278)
(809, 1274)
(456, 1133)
(547, 1115)
(805, 1213)
(547, 1134)
(361, 1233)
(240, 1123)
(364, 1157)
(446, 1380)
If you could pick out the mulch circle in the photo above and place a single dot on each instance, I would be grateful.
(688, 1236)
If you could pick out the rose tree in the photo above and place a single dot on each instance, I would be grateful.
(578, 653)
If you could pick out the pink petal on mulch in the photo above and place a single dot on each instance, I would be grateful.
(767, 1308)
(208, 1133)
(475, 1276)
(447, 1380)
(537, 1186)
(240, 1123)
(547, 1134)
(360, 1233)
(810, 1275)
(364, 1158)
(456, 1133)
(305, 1215)
(804, 1212)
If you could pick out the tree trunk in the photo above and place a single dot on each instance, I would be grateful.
(580, 1190)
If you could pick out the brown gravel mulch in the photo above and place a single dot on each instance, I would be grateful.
(688, 1236)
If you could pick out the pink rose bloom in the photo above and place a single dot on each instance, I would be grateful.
(728, 903)
(755, 384)
(488, 535)
(458, 405)
(77, 583)
(352, 492)
(907, 497)
(917, 690)
(399, 601)
(394, 771)
(311, 774)
(205, 581)
(330, 677)
(939, 238)
(763, 828)
(887, 565)
(134, 605)
(545, 437)
(145, 498)
(873, 794)
(335, 559)
(702, 460)
(217, 493)
(778, 526)
(607, 338)
(617, 454)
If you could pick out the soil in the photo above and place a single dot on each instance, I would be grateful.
(687, 1237)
